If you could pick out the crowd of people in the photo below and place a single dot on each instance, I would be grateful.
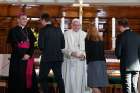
(76, 57)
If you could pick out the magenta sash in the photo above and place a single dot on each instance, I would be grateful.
(24, 44)
(30, 63)
(29, 72)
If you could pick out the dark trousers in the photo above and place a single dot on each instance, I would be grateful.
(43, 75)
(129, 81)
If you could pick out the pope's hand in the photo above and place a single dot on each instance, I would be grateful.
(74, 54)
(82, 57)
(79, 55)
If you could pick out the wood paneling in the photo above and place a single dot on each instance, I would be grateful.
(14, 10)
(71, 11)
(3, 10)
(33, 11)
(89, 12)
(53, 10)
(123, 11)
(8, 17)
(4, 47)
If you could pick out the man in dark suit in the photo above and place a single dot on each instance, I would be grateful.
(127, 50)
(50, 42)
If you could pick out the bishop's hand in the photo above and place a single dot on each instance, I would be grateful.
(26, 57)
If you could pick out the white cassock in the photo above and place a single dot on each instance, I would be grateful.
(74, 69)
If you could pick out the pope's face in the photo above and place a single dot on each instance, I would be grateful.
(76, 26)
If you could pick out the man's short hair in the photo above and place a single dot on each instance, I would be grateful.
(123, 22)
(45, 16)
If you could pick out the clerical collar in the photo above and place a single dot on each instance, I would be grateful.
(22, 27)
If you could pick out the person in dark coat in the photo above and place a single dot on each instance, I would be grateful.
(22, 77)
(96, 71)
(128, 51)
(51, 42)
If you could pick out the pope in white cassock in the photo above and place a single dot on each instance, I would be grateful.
(74, 65)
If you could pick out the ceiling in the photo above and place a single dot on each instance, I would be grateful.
(63, 2)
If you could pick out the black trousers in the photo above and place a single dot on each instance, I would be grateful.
(43, 75)
(129, 81)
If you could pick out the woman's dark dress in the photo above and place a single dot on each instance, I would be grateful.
(96, 71)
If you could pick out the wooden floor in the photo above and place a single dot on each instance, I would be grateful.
(3, 86)
(114, 88)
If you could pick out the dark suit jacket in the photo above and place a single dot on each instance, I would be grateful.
(127, 50)
(50, 42)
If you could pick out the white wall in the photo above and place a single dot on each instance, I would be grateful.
(4, 64)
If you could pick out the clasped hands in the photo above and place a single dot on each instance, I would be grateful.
(79, 55)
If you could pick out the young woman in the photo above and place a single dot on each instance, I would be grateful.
(96, 72)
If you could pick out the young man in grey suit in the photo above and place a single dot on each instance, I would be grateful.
(128, 51)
